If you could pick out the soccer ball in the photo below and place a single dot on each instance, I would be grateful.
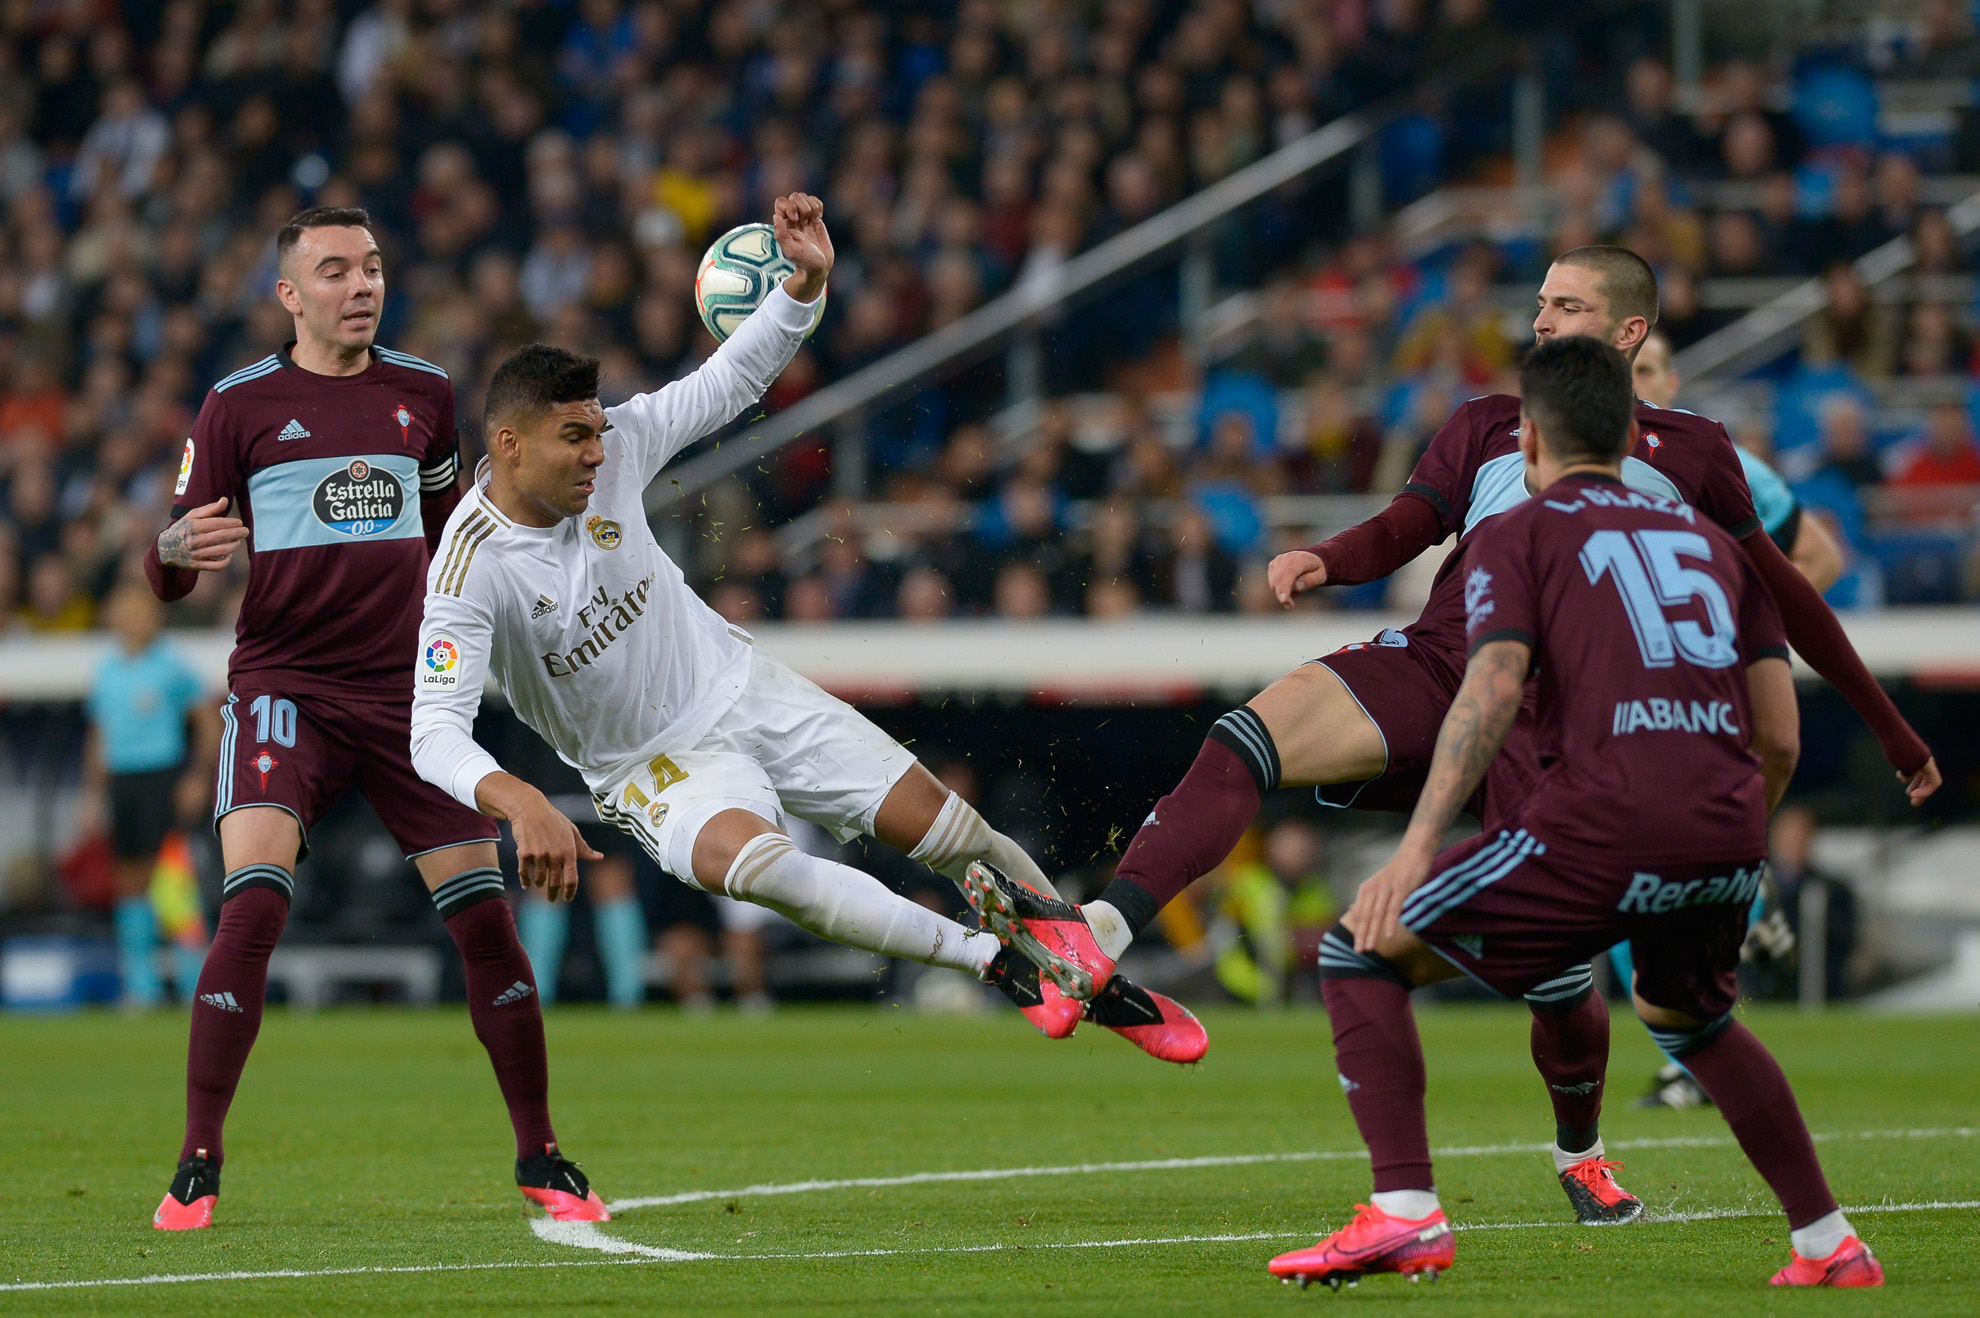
(736, 273)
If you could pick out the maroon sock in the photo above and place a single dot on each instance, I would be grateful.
(1380, 1061)
(1747, 1084)
(1190, 832)
(508, 1019)
(1571, 1052)
(226, 1009)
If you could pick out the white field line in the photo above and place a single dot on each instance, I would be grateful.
(586, 1235)
(1232, 1160)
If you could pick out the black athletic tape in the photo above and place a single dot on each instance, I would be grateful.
(272, 877)
(1339, 960)
(1136, 904)
(466, 889)
(1246, 734)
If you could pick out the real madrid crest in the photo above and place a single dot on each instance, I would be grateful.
(605, 534)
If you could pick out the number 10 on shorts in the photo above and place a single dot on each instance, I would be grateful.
(274, 718)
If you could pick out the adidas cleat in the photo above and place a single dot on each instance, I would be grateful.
(1372, 1242)
(1598, 1201)
(1158, 1025)
(1051, 932)
(554, 1181)
(1851, 1265)
(188, 1205)
(1016, 977)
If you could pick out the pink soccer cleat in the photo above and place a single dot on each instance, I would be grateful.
(1158, 1025)
(1598, 1201)
(1372, 1242)
(1016, 977)
(1851, 1265)
(188, 1205)
(554, 1181)
(1051, 932)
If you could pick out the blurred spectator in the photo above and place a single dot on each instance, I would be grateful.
(925, 595)
(1197, 575)
(1022, 594)
(1851, 330)
(1267, 915)
(1945, 456)
(53, 603)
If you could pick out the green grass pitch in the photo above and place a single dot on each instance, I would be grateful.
(376, 1140)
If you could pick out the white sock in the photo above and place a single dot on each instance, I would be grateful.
(1110, 928)
(840, 903)
(1822, 1237)
(960, 835)
(1409, 1205)
(1564, 1160)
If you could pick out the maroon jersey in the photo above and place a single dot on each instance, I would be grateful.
(1643, 618)
(345, 483)
(1473, 471)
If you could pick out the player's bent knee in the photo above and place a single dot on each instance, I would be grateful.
(719, 846)
(1244, 732)
(1339, 960)
(1679, 1034)
(1318, 730)
(1564, 992)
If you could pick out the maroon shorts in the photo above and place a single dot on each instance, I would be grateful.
(1513, 913)
(1405, 693)
(302, 752)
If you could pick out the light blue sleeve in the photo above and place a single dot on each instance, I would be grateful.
(1771, 497)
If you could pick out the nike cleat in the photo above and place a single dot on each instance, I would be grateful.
(1040, 1002)
(554, 1181)
(1598, 1201)
(1158, 1025)
(1051, 932)
(1851, 1265)
(1372, 1242)
(188, 1205)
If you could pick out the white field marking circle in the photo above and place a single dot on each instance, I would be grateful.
(587, 1236)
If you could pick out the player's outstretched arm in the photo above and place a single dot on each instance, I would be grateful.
(660, 424)
(1367, 551)
(1472, 734)
(1818, 637)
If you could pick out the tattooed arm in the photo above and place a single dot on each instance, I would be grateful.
(1472, 733)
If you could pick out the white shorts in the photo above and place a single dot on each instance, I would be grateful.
(784, 746)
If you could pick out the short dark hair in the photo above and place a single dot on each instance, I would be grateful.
(536, 378)
(317, 217)
(1628, 283)
(1578, 389)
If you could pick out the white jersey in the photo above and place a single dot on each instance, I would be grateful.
(590, 629)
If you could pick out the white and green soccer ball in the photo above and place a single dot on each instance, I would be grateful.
(736, 273)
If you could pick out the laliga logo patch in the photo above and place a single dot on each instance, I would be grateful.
(439, 663)
(185, 468)
(603, 533)
(404, 418)
(264, 764)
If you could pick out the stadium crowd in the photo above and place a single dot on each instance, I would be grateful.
(551, 169)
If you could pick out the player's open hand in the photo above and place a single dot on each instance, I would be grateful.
(1923, 783)
(548, 848)
(799, 221)
(1376, 915)
(1292, 572)
(203, 540)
